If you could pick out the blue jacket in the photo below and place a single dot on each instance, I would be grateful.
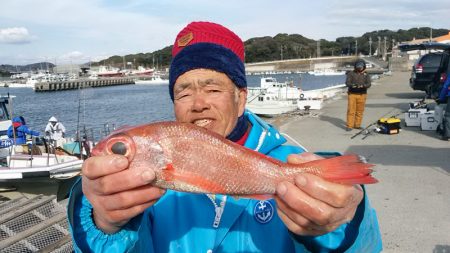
(20, 131)
(183, 222)
(445, 92)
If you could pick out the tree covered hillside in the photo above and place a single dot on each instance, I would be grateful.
(282, 46)
(292, 46)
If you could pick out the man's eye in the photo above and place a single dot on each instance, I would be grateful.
(181, 96)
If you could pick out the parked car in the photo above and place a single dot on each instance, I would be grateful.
(431, 70)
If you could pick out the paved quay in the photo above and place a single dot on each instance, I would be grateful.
(412, 198)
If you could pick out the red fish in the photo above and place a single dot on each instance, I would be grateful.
(189, 158)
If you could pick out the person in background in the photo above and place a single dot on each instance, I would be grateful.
(114, 209)
(444, 98)
(18, 131)
(358, 81)
(55, 131)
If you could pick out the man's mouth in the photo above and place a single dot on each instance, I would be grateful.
(202, 122)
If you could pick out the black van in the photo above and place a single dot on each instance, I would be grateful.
(430, 71)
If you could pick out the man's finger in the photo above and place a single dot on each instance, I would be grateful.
(305, 227)
(336, 195)
(128, 199)
(121, 181)
(99, 166)
(300, 202)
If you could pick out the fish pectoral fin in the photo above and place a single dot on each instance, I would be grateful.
(170, 174)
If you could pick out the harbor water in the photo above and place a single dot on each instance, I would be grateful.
(101, 109)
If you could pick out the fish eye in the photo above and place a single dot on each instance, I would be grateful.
(119, 148)
(121, 144)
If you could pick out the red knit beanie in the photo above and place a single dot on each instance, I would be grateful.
(210, 46)
(208, 32)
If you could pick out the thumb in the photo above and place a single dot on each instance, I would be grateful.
(148, 176)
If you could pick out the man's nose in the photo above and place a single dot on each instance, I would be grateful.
(200, 102)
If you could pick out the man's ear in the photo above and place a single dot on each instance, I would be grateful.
(242, 100)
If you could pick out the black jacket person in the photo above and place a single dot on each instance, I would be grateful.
(358, 81)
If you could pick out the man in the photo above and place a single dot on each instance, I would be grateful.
(122, 211)
(55, 131)
(444, 99)
(358, 81)
(18, 130)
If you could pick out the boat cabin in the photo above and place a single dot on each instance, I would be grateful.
(5, 117)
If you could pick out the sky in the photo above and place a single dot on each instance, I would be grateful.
(79, 31)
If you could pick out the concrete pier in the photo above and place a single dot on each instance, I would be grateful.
(81, 83)
(412, 198)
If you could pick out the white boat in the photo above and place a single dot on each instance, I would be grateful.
(323, 93)
(272, 98)
(22, 167)
(141, 71)
(18, 165)
(14, 84)
(326, 72)
(5, 117)
(314, 99)
(309, 104)
(153, 80)
(40, 77)
(108, 71)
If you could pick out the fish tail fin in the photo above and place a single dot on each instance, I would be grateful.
(346, 169)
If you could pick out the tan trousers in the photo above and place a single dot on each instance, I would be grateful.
(355, 109)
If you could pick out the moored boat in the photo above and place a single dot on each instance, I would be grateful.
(326, 72)
(153, 80)
(105, 71)
(37, 160)
(314, 99)
(309, 104)
(141, 71)
(272, 97)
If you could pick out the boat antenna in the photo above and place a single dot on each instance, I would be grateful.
(78, 122)
(13, 129)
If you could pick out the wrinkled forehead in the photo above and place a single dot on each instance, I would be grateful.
(200, 78)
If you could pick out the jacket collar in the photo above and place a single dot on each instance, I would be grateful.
(263, 137)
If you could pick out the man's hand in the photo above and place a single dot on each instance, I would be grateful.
(116, 193)
(313, 206)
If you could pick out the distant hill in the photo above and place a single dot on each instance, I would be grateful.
(281, 46)
(293, 46)
(6, 70)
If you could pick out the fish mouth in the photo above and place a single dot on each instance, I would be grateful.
(202, 122)
(98, 148)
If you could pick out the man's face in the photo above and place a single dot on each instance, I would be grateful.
(359, 67)
(208, 99)
(53, 123)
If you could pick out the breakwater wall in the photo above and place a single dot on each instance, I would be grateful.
(308, 64)
(80, 83)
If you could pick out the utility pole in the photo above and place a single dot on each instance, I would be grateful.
(356, 47)
(379, 46)
(385, 49)
(370, 46)
(281, 47)
(393, 45)
(318, 49)
(431, 34)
